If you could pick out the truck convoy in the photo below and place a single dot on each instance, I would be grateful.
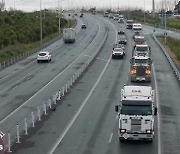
(140, 68)
(136, 113)
(69, 35)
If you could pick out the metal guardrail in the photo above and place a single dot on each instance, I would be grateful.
(14, 134)
(171, 62)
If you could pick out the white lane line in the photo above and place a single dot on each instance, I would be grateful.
(111, 136)
(14, 87)
(45, 85)
(102, 59)
(60, 138)
(158, 115)
(86, 55)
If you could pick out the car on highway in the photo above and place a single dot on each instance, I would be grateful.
(137, 33)
(137, 27)
(121, 32)
(118, 53)
(139, 40)
(129, 24)
(110, 16)
(81, 15)
(122, 41)
(3, 146)
(44, 56)
(120, 20)
(83, 26)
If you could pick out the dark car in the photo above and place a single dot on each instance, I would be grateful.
(122, 41)
(83, 26)
(121, 32)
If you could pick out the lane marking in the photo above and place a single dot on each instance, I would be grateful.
(60, 138)
(111, 136)
(102, 59)
(158, 114)
(46, 84)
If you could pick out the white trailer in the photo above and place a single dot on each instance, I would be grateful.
(69, 35)
(136, 113)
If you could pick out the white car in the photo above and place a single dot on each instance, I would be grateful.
(118, 53)
(44, 56)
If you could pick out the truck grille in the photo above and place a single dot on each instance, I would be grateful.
(141, 70)
(136, 125)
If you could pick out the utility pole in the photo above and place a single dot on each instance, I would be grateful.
(153, 8)
(40, 23)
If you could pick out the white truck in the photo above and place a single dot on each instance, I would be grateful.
(69, 35)
(136, 113)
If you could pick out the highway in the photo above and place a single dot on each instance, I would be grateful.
(85, 121)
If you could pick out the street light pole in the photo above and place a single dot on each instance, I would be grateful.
(40, 23)
(165, 22)
(144, 13)
(59, 17)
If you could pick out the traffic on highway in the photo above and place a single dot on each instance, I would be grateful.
(105, 87)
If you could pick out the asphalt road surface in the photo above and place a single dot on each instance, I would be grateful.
(85, 121)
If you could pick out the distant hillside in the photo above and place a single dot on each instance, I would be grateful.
(22, 27)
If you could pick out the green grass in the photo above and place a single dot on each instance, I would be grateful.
(175, 24)
(11, 51)
(173, 45)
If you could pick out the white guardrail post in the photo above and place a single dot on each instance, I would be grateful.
(9, 142)
(25, 126)
(32, 118)
(17, 133)
(39, 114)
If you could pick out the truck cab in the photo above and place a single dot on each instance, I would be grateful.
(140, 68)
(136, 113)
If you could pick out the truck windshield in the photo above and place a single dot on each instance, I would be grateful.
(136, 109)
(142, 61)
(141, 48)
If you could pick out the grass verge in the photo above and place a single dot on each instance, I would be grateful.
(173, 47)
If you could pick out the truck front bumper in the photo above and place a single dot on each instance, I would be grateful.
(135, 136)
(137, 78)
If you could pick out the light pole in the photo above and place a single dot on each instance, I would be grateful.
(144, 13)
(15, 4)
(59, 17)
(128, 9)
(165, 23)
(40, 23)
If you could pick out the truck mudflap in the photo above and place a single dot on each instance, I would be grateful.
(126, 136)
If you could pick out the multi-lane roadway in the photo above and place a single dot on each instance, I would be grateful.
(85, 121)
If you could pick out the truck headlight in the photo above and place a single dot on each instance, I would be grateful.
(122, 130)
(149, 131)
(133, 70)
(148, 71)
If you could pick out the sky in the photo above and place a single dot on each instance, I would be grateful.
(33, 5)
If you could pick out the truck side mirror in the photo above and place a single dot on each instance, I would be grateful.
(116, 108)
(155, 111)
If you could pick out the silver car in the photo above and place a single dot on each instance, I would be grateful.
(44, 56)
